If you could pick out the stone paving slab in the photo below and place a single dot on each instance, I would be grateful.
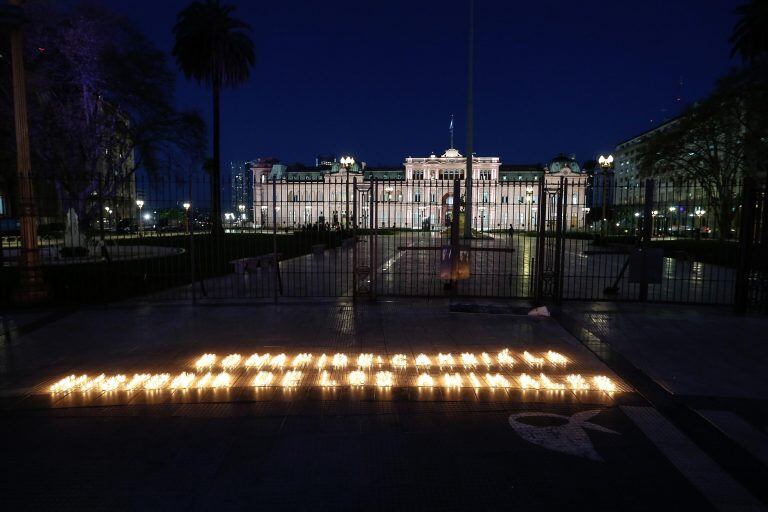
(320, 455)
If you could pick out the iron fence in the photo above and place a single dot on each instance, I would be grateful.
(544, 238)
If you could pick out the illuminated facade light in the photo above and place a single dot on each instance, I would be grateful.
(385, 379)
(263, 379)
(357, 378)
(231, 362)
(205, 361)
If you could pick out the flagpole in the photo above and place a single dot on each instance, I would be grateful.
(470, 115)
(451, 131)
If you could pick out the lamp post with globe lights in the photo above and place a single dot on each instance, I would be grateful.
(31, 286)
(186, 206)
(140, 205)
(606, 164)
(347, 162)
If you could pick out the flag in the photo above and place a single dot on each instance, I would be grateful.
(450, 126)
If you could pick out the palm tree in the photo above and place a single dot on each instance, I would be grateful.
(214, 49)
(750, 35)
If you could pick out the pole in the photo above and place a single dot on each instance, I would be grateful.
(746, 234)
(646, 238)
(274, 238)
(470, 117)
(604, 216)
(32, 288)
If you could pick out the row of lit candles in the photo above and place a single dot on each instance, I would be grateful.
(340, 361)
(293, 378)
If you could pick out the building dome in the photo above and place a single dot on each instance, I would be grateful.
(562, 162)
(452, 153)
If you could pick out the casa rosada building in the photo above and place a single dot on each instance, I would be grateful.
(417, 195)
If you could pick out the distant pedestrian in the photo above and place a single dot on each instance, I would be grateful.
(511, 231)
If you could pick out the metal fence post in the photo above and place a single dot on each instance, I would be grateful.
(746, 234)
(456, 213)
(560, 242)
(373, 241)
(646, 237)
(541, 232)
(276, 269)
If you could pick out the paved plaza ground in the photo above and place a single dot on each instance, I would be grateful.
(407, 265)
(685, 430)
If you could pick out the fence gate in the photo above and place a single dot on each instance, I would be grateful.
(548, 277)
(364, 229)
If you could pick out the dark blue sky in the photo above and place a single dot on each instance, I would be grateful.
(380, 79)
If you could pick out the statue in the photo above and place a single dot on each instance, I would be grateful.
(74, 241)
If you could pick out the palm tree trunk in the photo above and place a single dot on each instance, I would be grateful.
(216, 228)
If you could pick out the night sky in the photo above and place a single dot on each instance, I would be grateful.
(379, 80)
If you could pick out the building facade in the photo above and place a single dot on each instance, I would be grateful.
(418, 195)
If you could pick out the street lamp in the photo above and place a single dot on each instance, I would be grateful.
(140, 205)
(606, 164)
(186, 214)
(347, 162)
(241, 208)
(699, 214)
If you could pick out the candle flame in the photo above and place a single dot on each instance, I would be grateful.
(365, 360)
(384, 379)
(425, 381)
(423, 361)
(183, 380)
(291, 378)
(257, 361)
(205, 361)
(399, 362)
(278, 362)
(326, 381)
(231, 362)
(263, 379)
(357, 378)
(532, 360)
(339, 361)
(505, 358)
(468, 360)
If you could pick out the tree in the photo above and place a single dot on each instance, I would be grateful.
(101, 105)
(750, 35)
(213, 48)
(715, 144)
